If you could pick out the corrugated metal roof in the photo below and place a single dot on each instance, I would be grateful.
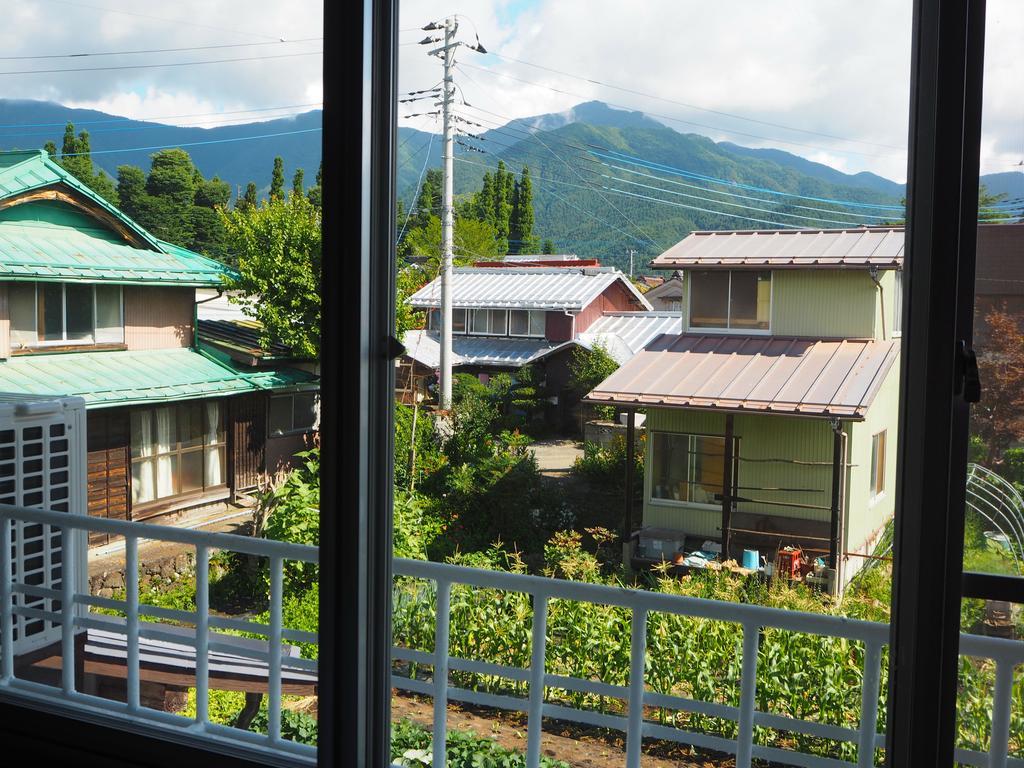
(46, 252)
(241, 336)
(787, 375)
(880, 247)
(125, 378)
(36, 251)
(425, 348)
(624, 334)
(558, 288)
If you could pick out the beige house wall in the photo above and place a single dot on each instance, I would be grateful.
(158, 317)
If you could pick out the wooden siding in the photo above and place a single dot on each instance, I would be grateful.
(247, 420)
(557, 326)
(158, 317)
(107, 447)
(5, 324)
(615, 298)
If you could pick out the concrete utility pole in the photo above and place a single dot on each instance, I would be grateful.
(632, 253)
(447, 216)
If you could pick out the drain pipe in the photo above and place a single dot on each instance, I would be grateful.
(873, 274)
(839, 494)
(195, 317)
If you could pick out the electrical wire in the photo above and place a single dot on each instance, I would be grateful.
(419, 181)
(192, 143)
(159, 66)
(155, 50)
(160, 117)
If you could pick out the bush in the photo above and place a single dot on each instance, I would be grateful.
(295, 517)
(411, 746)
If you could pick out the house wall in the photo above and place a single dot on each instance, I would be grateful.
(761, 437)
(558, 326)
(108, 462)
(615, 298)
(158, 317)
(865, 517)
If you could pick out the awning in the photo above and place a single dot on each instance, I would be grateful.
(107, 379)
(768, 374)
(425, 348)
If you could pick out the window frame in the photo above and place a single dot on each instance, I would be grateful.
(293, 430)
(877, 473)
(692, 436)
(64, 341)
(530, 333)
(728, 329)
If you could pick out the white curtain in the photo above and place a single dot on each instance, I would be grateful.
(142, 431)
(213, 468)
(164, 466)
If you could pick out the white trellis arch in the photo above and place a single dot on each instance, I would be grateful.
(1000, 505)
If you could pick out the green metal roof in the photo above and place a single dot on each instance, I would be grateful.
(37, 250)
(107, 379)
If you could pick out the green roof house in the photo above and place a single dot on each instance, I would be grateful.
(771, 420)
(92, 304)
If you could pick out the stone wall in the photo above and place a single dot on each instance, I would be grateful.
(162, 569)
(603, 432)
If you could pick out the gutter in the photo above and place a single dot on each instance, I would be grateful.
(873, 274)
(195, 317)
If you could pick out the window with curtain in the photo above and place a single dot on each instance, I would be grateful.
(65, 313)
(177, 449)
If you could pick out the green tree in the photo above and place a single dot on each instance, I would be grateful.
(278, 247)
(315, 194)
(277, 179)
(249, 199)
(51, 149)
(297, 180)
(588, 368)
(548, 248)
(502, 205)
(208, 234)
(521, 237)
(131, 191)
(171, 187)
(428, 202)
(76, 159)
(473, 240)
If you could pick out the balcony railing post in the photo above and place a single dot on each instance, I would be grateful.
(202, 634)
(637, 657)
(131, 580)
(1001, 704)
(441, 638)
(276, 621)
(68, 574)
(6, 609)
(748, 690)
(538, 655)
(869, 704)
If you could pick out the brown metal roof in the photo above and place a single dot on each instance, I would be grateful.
(774, 374)
(880, 247)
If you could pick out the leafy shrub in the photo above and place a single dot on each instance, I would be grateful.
(428, 452)
(415, 525)
(411, 746)
(295, 517)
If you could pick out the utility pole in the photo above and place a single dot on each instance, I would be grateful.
(447, 217)
(632, 253)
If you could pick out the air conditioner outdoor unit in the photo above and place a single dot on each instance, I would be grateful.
(42, 466)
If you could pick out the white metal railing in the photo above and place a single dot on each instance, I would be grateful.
(1006, 654)
(73, 614)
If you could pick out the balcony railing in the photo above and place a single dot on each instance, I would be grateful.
(72, 617)
(1006, 654)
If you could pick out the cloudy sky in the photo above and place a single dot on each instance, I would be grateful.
(825, 79)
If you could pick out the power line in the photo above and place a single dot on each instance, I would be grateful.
(705, 210)
(193, 143)
(696, 107)
(680, 120)
(426, 160)
(158, 66)
(161, 117)
(156, 50)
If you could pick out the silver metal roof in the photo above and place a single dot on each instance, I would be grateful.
(425, 348)
(880, 247)
(556, 288)
(767, 374)
(623, 334)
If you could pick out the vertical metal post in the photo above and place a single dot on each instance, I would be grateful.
(727, 487)
(627, 523)
(68, 573)
(441, 637)
(1001, 705)
(537, 662)
(276, 620)
(447, 215)
(837, 472)
(869, 704)
(202, 634)
(748, 689)
(6, 612)
(131, 580)
(637, 657)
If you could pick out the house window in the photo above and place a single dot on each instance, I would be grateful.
(897, 304)
(294, 412)
(687, 468)
(177, 449)
(731, 300)
(878, 464)
(44, 314)
(458, 320)
(488, 322)
(523, 322)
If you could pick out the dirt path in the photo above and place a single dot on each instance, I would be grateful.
(579, 746)
(555, 457)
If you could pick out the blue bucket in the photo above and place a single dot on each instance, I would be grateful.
(751, 557)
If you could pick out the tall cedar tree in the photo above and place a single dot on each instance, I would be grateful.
(548, 248)
(75, 158)
(250, 198)
(521, 237)
(999, 418)
(315, 194)
(297, 180)
(277, 179)
(428, 203)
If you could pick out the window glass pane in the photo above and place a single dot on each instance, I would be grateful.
(214, 422)
(167, 479)
(519, 322)
(192, 471)
(499, 322)
(537, 322)
(280, 414)
(190, 424)
(142, 433)
(750, 300)
(671, 467)
(434, 320)
(143, 483)
(214, 462)
(50, 306)
(708, 469)
(109, 325)
(478, 320)
(166, 429)
(458, 321)
(304, 410)
(709, 299)
(21, 303)
(79, 310)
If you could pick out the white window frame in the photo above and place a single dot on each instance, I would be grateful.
(530, 332)
(65, 341)
(294, 430)
(649, 481)
(897, 305)
(877, 473)
(490, 330)
(728, 309)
